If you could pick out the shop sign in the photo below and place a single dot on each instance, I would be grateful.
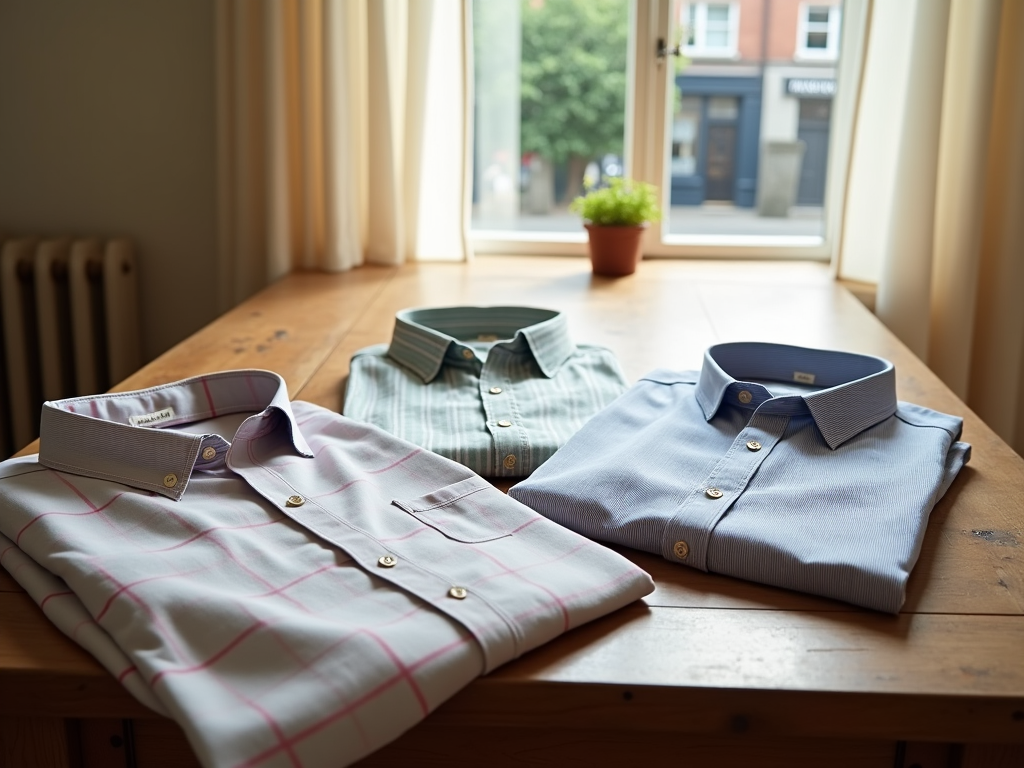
(813, 87)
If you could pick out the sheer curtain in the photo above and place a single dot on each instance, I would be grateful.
(934, 210)
(325, 108)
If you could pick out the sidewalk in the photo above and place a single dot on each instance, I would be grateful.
(707, 219)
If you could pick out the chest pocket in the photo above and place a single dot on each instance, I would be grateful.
(470, 511)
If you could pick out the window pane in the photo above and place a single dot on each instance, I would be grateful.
(723, 108)
(718, 13)
(685, 136)
(550, 107)
(717, 38)
(750, 136)
(817, 40)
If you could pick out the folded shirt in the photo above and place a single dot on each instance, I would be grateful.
(291, 586)
(498, 389)
(789, 466)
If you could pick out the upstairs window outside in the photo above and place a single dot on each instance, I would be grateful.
(818, 33)
(711, 29)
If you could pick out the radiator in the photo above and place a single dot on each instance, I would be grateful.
(70, 322)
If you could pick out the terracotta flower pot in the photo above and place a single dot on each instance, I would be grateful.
(614, 251)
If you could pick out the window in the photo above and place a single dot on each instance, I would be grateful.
(711, 29)
(741, 147)
(818, 32)
(685, 136)
(550, 109)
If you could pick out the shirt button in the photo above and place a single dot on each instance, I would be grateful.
(713, 493)
(294, 501)
(495, 390)
(209, 452)
(681, 549)
(468, 354)
(170, 480)
(753, 445)
(745, 396)
(509, 462)
(504, 423)
(459, 593)
(387, 561)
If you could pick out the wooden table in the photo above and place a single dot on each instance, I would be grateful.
(708, 670)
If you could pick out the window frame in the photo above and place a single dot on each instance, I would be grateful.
(832, 29)
(700, 49)
(646, 150)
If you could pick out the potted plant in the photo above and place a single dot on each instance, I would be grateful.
(615, 216)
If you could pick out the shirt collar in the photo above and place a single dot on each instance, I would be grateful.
(128, 437)
(422, 338)
(855, 391)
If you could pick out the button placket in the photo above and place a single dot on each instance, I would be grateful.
(687, 536)
(212, 453)
(499, 637)
(749, 395)
(508, 438)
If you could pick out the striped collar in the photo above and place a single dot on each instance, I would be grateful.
(424, 338)
(852, 392)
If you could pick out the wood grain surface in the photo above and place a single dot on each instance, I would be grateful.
(708, 666)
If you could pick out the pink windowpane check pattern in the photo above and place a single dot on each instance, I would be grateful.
(225, 564)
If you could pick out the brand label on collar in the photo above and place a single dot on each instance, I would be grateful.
(803, 378)
(149, 419)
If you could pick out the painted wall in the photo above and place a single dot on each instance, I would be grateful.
(107, 125)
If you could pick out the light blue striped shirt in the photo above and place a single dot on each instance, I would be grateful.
(498, 389)
(789, 466)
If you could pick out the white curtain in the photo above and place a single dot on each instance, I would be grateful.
(935, 199)
(324, 110)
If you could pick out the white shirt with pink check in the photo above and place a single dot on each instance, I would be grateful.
(293, 587)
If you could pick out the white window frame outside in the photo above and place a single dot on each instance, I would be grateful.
(700, 48)
(831, 28)
(648, 127)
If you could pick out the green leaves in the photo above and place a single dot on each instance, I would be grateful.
(623, 203)
(573, 91)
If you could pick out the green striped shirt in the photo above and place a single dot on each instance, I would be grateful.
(498, 389)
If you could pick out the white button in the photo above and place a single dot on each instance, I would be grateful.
(753, 445)
(504, 423)
(459, 593)
(387, 561)
(294, 501)
(495, 390)
(713, 493)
